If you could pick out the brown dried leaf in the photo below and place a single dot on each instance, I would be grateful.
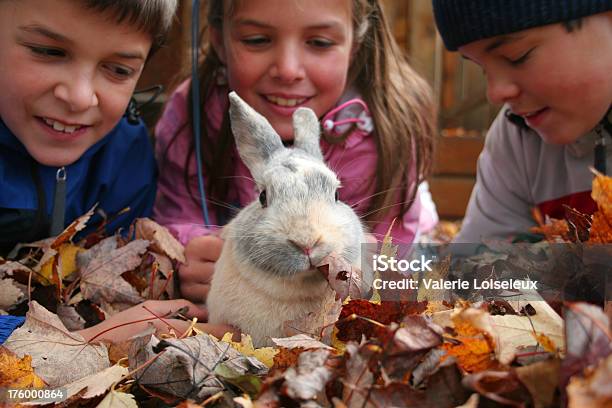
(344, 278)
(417, 333)
(185, 367)
(101, 279)
(542, 381)
(587, 330)
(58, 356)
(316, 324)
(116, 399)
(161, 239)
(10, 293)
(595, 389)
(74, 227)
(95, 384)
(70, 317)
(308, 378)
(300, 340)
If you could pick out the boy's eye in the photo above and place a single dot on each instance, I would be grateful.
(521, 59)
(120, 71)
(257, 40)
(47, 52)
(320, 43)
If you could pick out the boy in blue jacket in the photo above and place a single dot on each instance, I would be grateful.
(67, 72)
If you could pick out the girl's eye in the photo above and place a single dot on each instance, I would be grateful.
(255, 41)
(320, 43)
(521, 59)
(47, 52)
(263, 199)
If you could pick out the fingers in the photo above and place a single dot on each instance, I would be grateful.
(218, 330)
(167, 307)
(196, 272)
(195, 292)
(207, 247)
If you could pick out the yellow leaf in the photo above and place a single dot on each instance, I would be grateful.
(546, 343)
(67, 253)
(17, 372)
(245, 346)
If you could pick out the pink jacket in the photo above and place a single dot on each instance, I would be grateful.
(354, 161)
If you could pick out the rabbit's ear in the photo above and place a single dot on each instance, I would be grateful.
(306, 132)
(256, 139)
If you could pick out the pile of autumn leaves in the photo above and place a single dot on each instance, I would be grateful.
(354, 353)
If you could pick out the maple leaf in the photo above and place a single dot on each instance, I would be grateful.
(350, 327)
(161, 239)
(17, 372)
(344, 278)
(286, 358)
(184, 367)
(58, 356)
(475, 350)
(245, 346)
(101, 279)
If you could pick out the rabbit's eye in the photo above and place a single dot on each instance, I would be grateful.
(262, 198)
(337, 196)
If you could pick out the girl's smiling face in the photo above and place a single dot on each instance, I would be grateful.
(560, 82)
(66, 74)
(284, 54)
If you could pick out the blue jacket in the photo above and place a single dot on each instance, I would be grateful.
(117, 172)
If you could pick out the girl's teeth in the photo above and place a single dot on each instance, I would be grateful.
(285, 102)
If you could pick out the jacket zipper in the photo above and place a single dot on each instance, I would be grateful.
(59, 203)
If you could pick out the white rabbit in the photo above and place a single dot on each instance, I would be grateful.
(266, 273)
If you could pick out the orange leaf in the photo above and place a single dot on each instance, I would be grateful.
(17, 372)
(475, 351)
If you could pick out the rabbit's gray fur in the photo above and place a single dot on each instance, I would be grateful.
(264, 276)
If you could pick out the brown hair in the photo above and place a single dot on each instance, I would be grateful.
(399, 100)
(153, 17)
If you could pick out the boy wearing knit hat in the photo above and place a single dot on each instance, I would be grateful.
(550, 64)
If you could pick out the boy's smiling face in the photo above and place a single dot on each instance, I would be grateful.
(560, 82)
(66, 75)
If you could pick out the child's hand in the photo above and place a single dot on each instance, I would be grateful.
(195, 276)
(136, 319)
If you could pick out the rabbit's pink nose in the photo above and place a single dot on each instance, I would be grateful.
(302, 247)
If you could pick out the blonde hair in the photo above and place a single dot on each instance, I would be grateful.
(399, 100)
(153, 17)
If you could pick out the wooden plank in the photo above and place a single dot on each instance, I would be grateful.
(457, 155)
(423, 39)
(451, 195)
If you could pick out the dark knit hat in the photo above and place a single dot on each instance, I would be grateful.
(462, 21)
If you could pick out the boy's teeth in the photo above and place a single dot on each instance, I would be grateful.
(285, 102)
(60, 127)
